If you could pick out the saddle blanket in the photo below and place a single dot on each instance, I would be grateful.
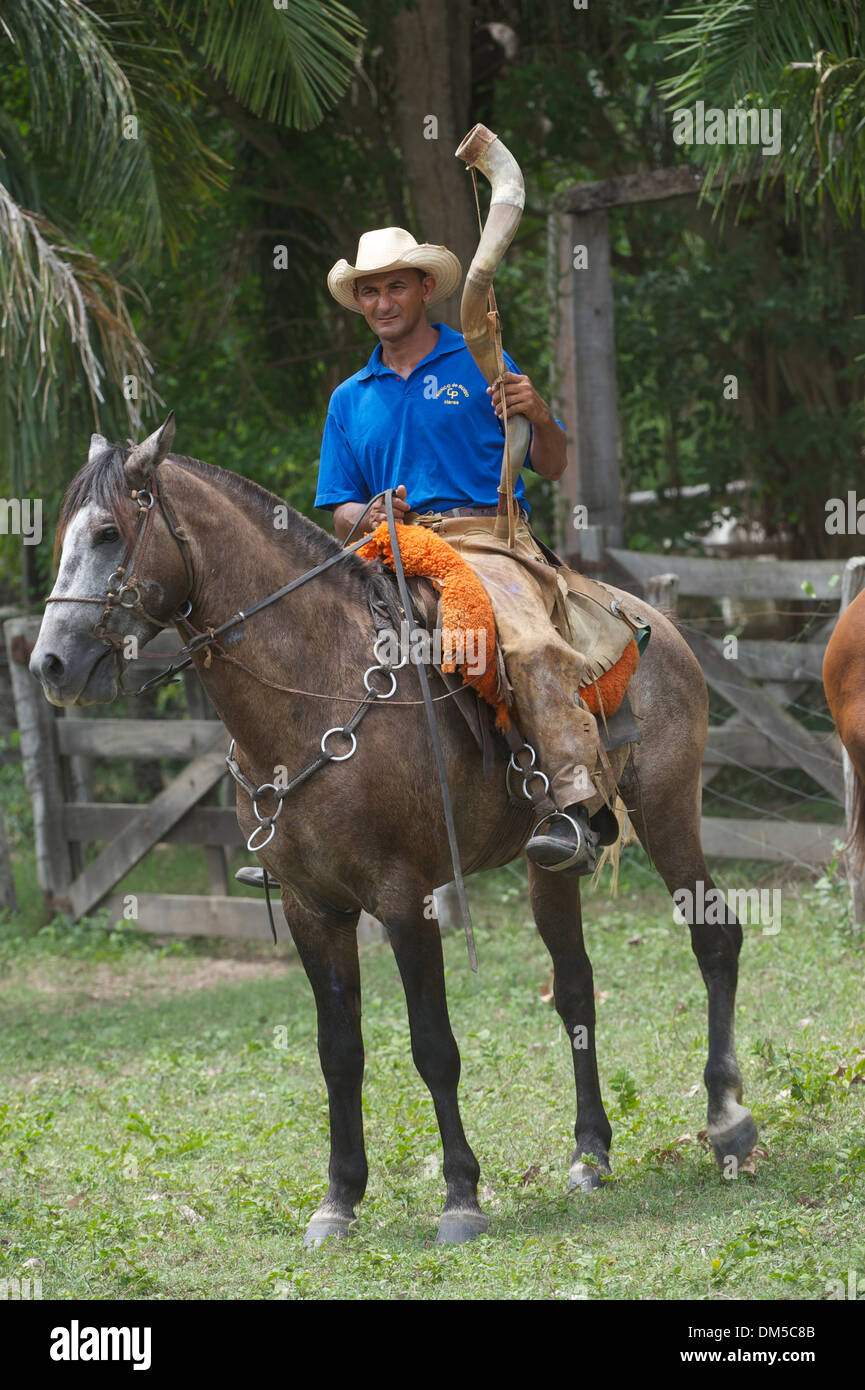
(608, 635)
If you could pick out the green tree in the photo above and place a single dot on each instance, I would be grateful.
(105, 170)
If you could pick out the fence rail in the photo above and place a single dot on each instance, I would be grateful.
(762, 681)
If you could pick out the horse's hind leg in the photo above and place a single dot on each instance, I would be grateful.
(416, 943)
(673, 843)
(327, 946)
(556, 907)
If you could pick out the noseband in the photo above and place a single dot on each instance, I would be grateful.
(124, 586)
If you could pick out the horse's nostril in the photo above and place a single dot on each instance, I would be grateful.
(52, 667)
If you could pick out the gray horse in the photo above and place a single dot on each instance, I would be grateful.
(366, 833)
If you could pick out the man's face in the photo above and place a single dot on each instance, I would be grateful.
(394, 303)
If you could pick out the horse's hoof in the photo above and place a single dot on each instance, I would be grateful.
(736, 1140)
(584, 1177)
(456, 1227)
(326, 1227)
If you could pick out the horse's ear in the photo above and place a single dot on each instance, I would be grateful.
(98, 445)
(147, 456)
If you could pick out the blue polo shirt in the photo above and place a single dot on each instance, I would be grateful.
(436, 432)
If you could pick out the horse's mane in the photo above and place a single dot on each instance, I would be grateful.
(102, 480)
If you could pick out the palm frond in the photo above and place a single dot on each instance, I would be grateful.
(286, 61)
(55, 299)
(57, 42)
(111, 101)
(802, 58)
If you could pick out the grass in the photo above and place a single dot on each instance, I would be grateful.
(163, 1131)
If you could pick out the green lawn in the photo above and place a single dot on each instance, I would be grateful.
(163, 1132)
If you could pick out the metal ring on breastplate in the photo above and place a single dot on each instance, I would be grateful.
(528, 777)
(371, 690)
(386, 636)
(268, 787)
(139, 498)
(185, 611)
(253, 849)
(347, 733)
(527, 747)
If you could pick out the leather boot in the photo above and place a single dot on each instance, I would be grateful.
(567, 844)
(253, 877)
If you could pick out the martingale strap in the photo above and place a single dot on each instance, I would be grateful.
(434, 735)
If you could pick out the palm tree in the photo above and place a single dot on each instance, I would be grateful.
(103, 170)
(803, 57)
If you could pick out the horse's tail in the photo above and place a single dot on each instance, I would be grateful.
(854, 848)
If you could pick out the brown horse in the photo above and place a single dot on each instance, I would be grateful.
(368, 832)
(844, 683)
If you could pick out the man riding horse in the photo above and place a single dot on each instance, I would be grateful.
(419, 418)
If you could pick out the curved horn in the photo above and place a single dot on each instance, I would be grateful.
(483, 150)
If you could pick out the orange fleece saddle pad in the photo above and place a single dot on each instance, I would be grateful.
(466, 609)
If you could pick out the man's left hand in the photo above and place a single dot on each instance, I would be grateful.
(522, 399)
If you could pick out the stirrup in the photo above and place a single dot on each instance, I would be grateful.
(253, 877)
(583, 859)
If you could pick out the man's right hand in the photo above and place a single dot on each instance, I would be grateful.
(347, 513)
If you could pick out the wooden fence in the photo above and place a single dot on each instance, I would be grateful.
(761, 683)
(761, 680)
(58, 749)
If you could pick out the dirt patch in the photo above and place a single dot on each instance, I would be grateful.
(167, 977)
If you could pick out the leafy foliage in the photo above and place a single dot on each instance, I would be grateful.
(803, 57)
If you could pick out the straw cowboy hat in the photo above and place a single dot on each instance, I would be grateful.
(391, 248)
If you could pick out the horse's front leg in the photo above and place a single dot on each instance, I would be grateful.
(556, 907)
(327, 946)
(416, 943)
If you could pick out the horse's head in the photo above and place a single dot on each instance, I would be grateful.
(122, 573)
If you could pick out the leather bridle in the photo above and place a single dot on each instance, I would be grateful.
(124, 585)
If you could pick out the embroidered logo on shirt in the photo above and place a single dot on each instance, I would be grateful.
(451, 393)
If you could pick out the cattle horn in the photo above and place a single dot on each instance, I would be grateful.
(482, 149)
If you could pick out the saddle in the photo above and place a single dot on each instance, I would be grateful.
(446, 594)
(592, 620)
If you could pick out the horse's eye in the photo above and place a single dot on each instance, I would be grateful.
(107, 536)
